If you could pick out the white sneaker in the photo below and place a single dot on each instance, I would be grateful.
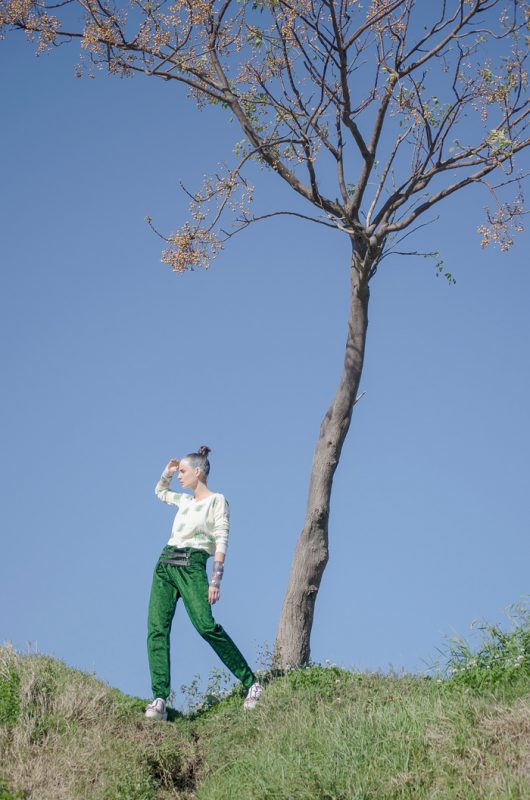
(253, 695)
(156, 709)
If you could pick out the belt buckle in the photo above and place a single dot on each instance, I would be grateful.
(175, 556)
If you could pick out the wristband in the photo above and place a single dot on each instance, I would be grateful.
(217, 574)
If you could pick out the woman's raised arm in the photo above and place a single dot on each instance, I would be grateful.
(162, 490)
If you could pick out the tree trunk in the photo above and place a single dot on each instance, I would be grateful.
(292, 646)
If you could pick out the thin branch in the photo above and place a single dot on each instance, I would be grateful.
(382, 182)
(260, 217)
(413, 230)
(445, 41)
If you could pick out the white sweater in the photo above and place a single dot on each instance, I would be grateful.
(202, 524)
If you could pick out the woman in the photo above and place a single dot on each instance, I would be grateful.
(200, 529)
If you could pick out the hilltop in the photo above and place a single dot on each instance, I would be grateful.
(319, 733)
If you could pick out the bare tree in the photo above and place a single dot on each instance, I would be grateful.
(372, 112)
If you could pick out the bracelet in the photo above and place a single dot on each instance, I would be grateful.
(217, 574)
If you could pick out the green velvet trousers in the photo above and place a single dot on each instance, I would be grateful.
(190, 583)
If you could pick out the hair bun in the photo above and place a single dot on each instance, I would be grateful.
(203, 451)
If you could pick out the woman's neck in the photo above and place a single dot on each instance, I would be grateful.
(201, 492)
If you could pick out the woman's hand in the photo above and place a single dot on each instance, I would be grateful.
(172, 467)
(213, 594)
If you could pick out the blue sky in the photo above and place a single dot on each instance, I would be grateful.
(112, 365)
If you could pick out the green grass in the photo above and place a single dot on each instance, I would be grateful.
(319, 733)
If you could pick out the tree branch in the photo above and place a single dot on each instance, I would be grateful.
(441, 195)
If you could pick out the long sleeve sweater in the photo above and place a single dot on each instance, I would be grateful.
(202, 524)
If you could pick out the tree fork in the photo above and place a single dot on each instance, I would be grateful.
(292, 646)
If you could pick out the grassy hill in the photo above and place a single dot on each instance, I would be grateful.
(319, 733)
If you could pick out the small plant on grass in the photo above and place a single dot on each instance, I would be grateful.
(220, 685)
(6, 794)
(9, 689)
(324, 677)
(502, 658)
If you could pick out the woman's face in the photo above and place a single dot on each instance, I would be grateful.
(188, 477)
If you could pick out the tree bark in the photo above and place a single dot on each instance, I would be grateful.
(292, 646)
